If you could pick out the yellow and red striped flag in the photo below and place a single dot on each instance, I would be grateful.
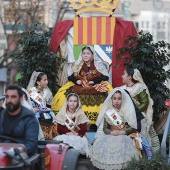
(94, 30)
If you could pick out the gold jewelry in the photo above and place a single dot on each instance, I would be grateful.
(118, 110)
(88, 64)
(39, 88)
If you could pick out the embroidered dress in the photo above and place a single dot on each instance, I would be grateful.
(77, 123)
(39, 100)
(143, 101)
(114, 152)
(91, 96)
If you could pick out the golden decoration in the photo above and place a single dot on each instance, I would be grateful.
(106, 6)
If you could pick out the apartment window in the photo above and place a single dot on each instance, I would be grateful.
(136, 25)
(147, 24)
(160, 35)
(159, 25)
(142, 24)
(163, 25)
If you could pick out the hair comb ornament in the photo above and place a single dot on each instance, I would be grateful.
(106, 6)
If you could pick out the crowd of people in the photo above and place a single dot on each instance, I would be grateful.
(122, 115)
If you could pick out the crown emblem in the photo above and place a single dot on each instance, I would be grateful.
(109, 49)
(106, 6)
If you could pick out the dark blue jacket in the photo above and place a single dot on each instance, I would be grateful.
(26, 129)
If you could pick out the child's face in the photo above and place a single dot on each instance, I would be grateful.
(125, 77)
(117, 100)
(72, 103)
(87, 55)
(43, 82)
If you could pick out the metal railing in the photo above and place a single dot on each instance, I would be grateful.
(166, 139)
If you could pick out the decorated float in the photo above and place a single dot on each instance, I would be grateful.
(106, 34)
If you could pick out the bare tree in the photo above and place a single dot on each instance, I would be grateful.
(17, 16)
(57, 10)
(64, 8)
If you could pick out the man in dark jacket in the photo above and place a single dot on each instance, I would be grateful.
(18, 122)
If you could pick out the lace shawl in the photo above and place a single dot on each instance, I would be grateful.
(97, 62)
(47, 94)
(79, 115)
(127, 108)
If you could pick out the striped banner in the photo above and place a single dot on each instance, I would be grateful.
(94, 30)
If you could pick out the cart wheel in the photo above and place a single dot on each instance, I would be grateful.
(84, 164)
(70, 159)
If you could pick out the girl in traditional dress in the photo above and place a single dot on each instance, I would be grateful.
(112, 147)
(42, 99)
(27, 103)
(138, 90)
(89, 81)
(71, 123)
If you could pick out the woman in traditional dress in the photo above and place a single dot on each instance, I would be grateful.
(42, 99)
(138, 90)
(89, 81)
(71, 124)
(113, 148)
